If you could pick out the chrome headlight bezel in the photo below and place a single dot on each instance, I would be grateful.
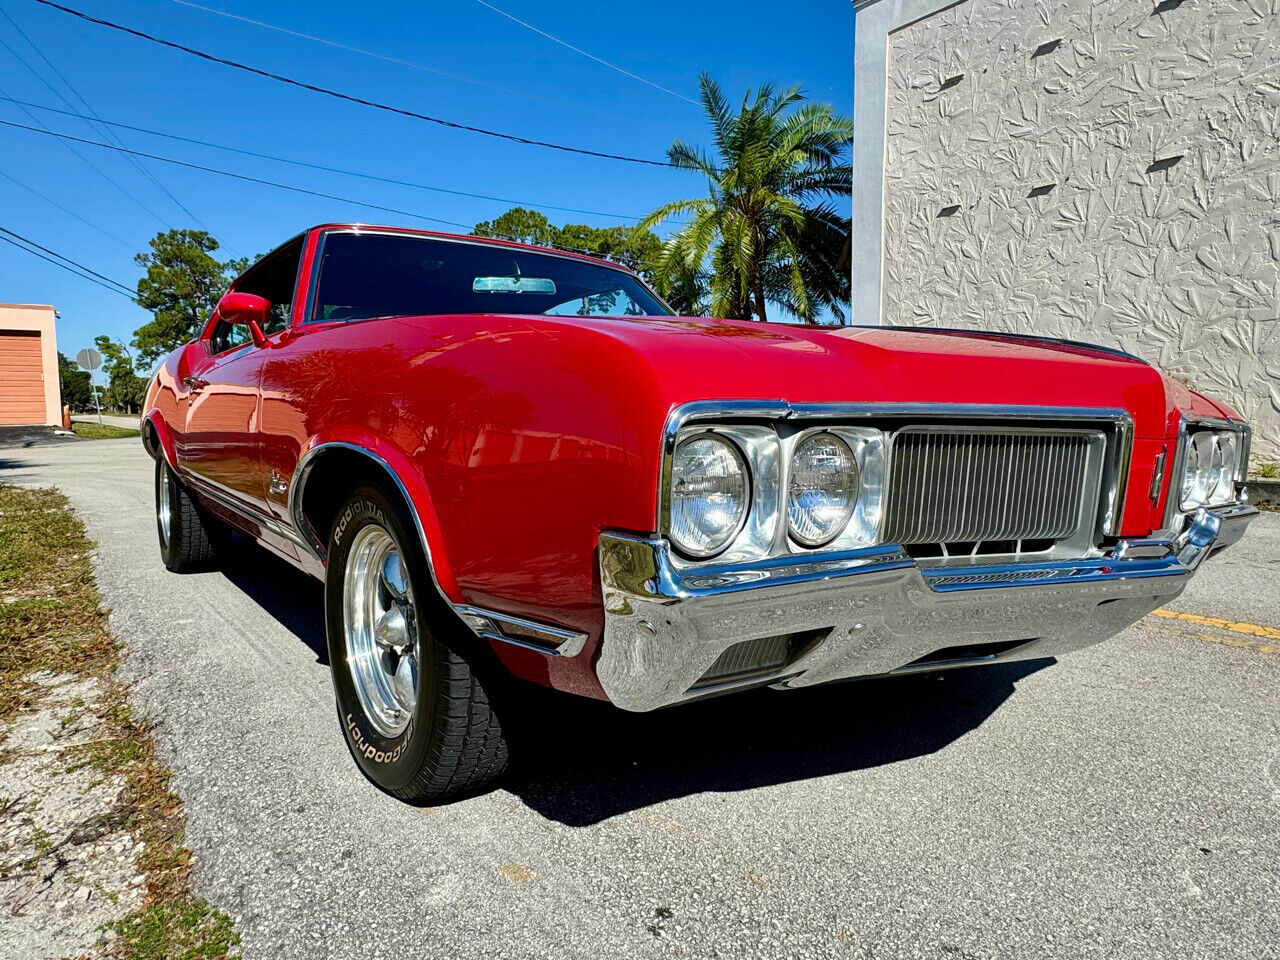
(815, 521)
(767, 444)
(1213, 460)
(738, 519)
(869, 446)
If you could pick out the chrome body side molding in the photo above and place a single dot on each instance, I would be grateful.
(492, 625)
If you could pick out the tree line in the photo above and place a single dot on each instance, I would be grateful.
(763, 234)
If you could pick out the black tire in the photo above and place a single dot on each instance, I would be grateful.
(189, 541)
(453, 745)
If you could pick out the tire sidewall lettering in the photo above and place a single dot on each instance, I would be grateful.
(371, 749)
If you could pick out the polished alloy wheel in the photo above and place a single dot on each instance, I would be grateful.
(164, 508)
(381, 631)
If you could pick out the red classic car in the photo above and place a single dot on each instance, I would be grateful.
(505, 460)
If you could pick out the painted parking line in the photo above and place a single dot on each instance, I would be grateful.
(1234, 633)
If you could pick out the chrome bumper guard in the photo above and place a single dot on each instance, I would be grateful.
(876, 610)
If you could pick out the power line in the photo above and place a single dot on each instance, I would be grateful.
(71, 266)
(236, 176)
(138, 164)
(577, 50)
(349, 98)
(319, 166)
(274, 183)
(76, 153)
(54, 253)
(360, 50)
(67, 210)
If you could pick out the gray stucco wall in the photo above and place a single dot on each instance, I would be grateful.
(1091, 169)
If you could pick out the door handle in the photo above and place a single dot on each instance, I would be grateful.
(194, 383)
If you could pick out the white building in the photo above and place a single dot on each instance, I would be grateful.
(1103, 170)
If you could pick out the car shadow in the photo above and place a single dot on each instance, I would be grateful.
(294, 599)
(579, 762)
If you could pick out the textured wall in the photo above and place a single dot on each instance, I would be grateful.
(1031, 182)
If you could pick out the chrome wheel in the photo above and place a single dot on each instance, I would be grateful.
(381, 631)
(164, 509)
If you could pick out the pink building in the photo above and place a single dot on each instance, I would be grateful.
(29, 391)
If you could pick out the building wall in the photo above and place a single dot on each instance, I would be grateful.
(1105, 170)
(38, 319)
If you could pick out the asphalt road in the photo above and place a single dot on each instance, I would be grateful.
(1123, 802)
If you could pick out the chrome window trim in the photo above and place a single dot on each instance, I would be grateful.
(1118, 456)
(317, 262)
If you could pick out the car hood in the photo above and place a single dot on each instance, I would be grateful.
(695, 359)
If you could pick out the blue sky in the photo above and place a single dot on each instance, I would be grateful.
(523, 83)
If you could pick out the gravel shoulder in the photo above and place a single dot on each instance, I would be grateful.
(1120, 802)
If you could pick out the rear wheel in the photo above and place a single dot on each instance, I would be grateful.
(415, 715)
(188, 536)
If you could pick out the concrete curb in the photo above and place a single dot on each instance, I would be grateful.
(1264, 491)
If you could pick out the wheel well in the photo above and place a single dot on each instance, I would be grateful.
(330, 478)
(151, 440)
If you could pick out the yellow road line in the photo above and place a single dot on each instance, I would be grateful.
(1231, 626)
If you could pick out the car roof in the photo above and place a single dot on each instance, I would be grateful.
(472, 238)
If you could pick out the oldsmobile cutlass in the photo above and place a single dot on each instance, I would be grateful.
(505, 460)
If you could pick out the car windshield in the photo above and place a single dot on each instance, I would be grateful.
(388, 275)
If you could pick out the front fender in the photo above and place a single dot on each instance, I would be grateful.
(403, 473)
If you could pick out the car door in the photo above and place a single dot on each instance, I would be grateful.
(218, 450)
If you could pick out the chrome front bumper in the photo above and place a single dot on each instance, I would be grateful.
(873, 611)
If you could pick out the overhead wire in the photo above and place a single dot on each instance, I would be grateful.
(66, 263)
(347, 97)
(319, 166)
(577, 50)
(85, 160)
(67, 210)
(274, 183)
(236, 176)
(95, 119)
(360, 50)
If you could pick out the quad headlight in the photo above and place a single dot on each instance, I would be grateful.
(823, 489)
(1211, 467)
(710, 494)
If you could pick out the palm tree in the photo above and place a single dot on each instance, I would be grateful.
(767, 229)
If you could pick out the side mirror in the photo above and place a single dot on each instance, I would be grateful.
(248, 310)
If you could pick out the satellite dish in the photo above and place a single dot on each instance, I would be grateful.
(89, 359)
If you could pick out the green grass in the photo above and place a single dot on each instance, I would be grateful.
(51, 618)
(177, 932)
(105, 431)
(1269, 471)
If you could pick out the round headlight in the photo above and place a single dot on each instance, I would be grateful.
(823, 489)
(709, 495)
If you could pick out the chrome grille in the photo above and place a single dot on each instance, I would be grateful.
(968, 485)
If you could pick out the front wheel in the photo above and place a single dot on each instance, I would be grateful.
(415, 716)
(188, 536)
